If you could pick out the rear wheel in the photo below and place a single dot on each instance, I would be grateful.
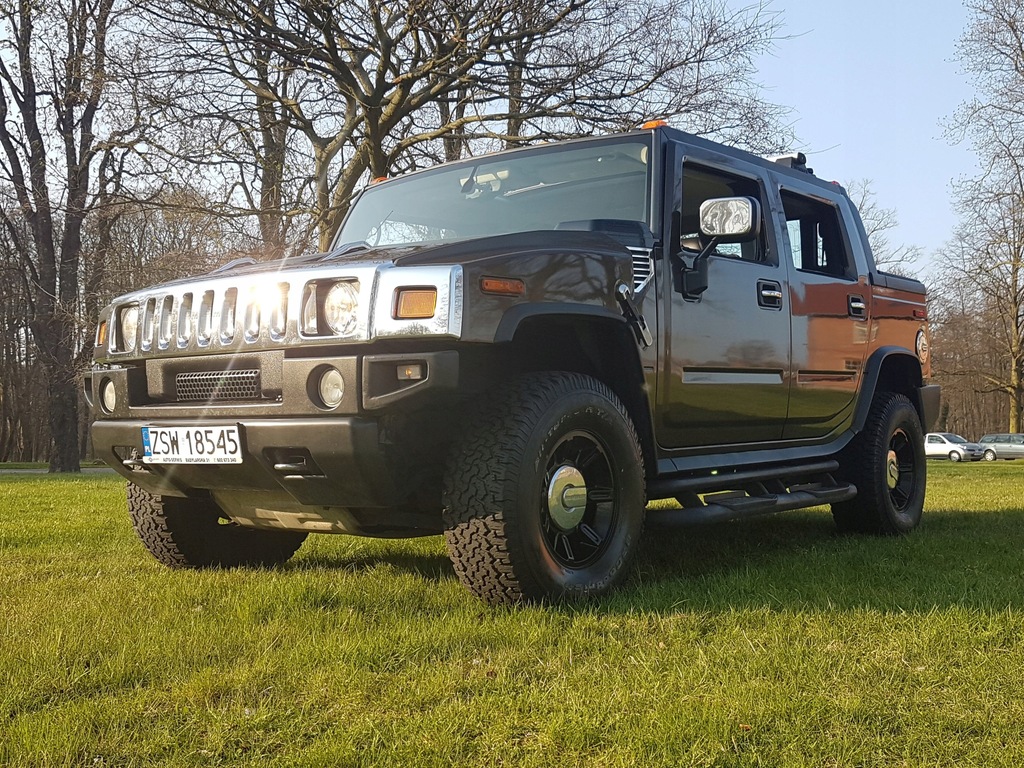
(194, 533)
(544, 496)
(886, 462)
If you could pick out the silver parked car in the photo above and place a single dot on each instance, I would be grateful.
(1008, 445)
(946, 445)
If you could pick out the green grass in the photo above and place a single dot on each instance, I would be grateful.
(16, 465)
(768, 642)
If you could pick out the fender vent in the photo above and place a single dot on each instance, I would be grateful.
(643, 268)
(210, 386)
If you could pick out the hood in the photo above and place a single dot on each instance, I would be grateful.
(429, 254)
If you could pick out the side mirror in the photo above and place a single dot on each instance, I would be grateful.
(723, 220)
(731, 219)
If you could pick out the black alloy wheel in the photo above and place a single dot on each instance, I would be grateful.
(886, 462)
(578, 503)
(900, 472)
(544, 493)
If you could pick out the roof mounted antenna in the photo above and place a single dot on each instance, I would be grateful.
(795, 160)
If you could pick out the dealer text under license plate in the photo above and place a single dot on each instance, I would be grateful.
(191, 445)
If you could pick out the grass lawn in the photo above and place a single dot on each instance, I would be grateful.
(767, 642)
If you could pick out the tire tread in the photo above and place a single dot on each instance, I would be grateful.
(483, 468)
(868, 512)
(186, 533)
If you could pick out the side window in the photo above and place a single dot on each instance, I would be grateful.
(1001, 439)
(1018, 439)
(934, 439)
(700, 184)
(816, 237)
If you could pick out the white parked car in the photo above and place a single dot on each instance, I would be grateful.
(946, 445)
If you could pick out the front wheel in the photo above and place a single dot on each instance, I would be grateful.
(194, 533)
(886, 462)
(544, 495)
(954, 456)
(990, 456)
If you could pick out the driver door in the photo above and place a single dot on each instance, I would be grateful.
(726, 378)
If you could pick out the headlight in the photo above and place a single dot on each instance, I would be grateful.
(340, 306)
(127, 328)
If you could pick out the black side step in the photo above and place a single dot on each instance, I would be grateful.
(668, 487)
(715, 511)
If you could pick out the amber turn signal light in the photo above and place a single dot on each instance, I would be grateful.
(101, 334)
(506, 286)
(415, 303)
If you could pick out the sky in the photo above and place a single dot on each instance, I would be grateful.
(870, 83)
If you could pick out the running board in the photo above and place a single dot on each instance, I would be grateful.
(717, 508)
(667, 487)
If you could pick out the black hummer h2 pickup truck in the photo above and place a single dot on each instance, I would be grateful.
(521, 350)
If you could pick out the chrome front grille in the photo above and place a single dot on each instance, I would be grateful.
(214, 315)
(210, 386)
(201, 318)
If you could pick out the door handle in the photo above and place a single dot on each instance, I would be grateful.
(769, 294)
(857, 307)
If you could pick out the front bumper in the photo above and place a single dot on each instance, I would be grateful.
(338, 461)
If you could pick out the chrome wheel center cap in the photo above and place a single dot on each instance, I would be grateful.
(892, 471)
(567, 498)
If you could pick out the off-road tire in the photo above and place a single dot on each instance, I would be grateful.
(506, 543)
(193, 533)
(891, 442)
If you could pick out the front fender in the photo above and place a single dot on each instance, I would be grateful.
(563, 281)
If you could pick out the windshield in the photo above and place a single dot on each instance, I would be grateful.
(554, 187)
(954, 438)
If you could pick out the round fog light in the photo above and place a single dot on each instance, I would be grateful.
(331, 387)
(108, 395)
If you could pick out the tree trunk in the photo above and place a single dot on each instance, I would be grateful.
(55, 337)
(63, 412)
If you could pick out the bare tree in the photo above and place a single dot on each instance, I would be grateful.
(988, 264)
(377, 87)
(53, 70)
(964, 351)
(23, 429)
(878, 223)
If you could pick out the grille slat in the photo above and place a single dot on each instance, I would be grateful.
(211, 386)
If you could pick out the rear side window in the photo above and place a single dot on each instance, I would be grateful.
(816, 237)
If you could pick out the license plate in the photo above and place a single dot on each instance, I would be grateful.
(191, 445)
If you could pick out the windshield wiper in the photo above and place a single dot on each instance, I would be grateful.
(344, 250)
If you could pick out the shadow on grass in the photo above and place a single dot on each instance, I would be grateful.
(791, 561)
(797, 561)
(432, 567)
